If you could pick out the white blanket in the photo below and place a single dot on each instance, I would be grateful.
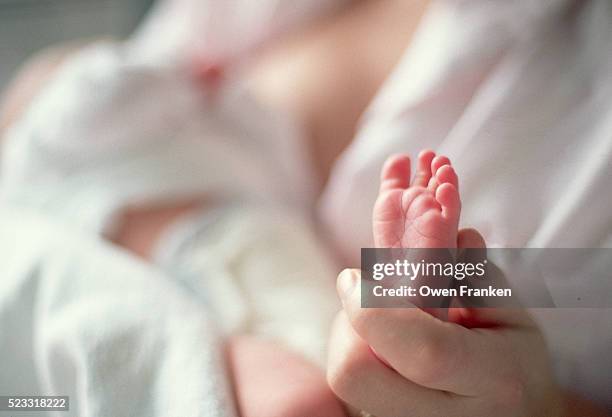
(120, 124)
(82, 319)
(111, 131)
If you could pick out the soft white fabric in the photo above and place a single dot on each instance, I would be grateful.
(110, 131)
(150, 135)
(220, 31)
(123, 124)
(261, 270)
(517, 94)
(83, 319)
(147, 135)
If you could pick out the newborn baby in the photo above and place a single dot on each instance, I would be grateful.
(109, 134)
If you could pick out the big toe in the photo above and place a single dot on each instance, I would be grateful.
(395, 173)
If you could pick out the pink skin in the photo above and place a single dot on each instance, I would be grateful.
(271, 381)
(423, 213)
(209, 73)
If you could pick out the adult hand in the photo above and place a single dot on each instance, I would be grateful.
(480, 362)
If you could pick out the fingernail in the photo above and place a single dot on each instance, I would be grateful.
(347, 280)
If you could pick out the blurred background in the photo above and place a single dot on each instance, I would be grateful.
(27, 26)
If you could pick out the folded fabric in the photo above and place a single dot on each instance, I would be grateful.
(109, 131)
(83, 319)
(260, 269)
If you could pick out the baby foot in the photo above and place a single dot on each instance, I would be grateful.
(424, 214)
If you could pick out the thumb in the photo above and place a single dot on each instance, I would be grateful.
(472, 248)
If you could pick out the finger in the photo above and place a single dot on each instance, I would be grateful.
(423, 172)
(430, 352)
(395, 173)
(470, 238)
(472, 249)
(358, 377)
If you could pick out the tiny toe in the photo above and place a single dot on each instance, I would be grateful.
(395, 173)
(438, 162)
(448, 197)
(433, 184)
(447, 174)
(423, 172)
